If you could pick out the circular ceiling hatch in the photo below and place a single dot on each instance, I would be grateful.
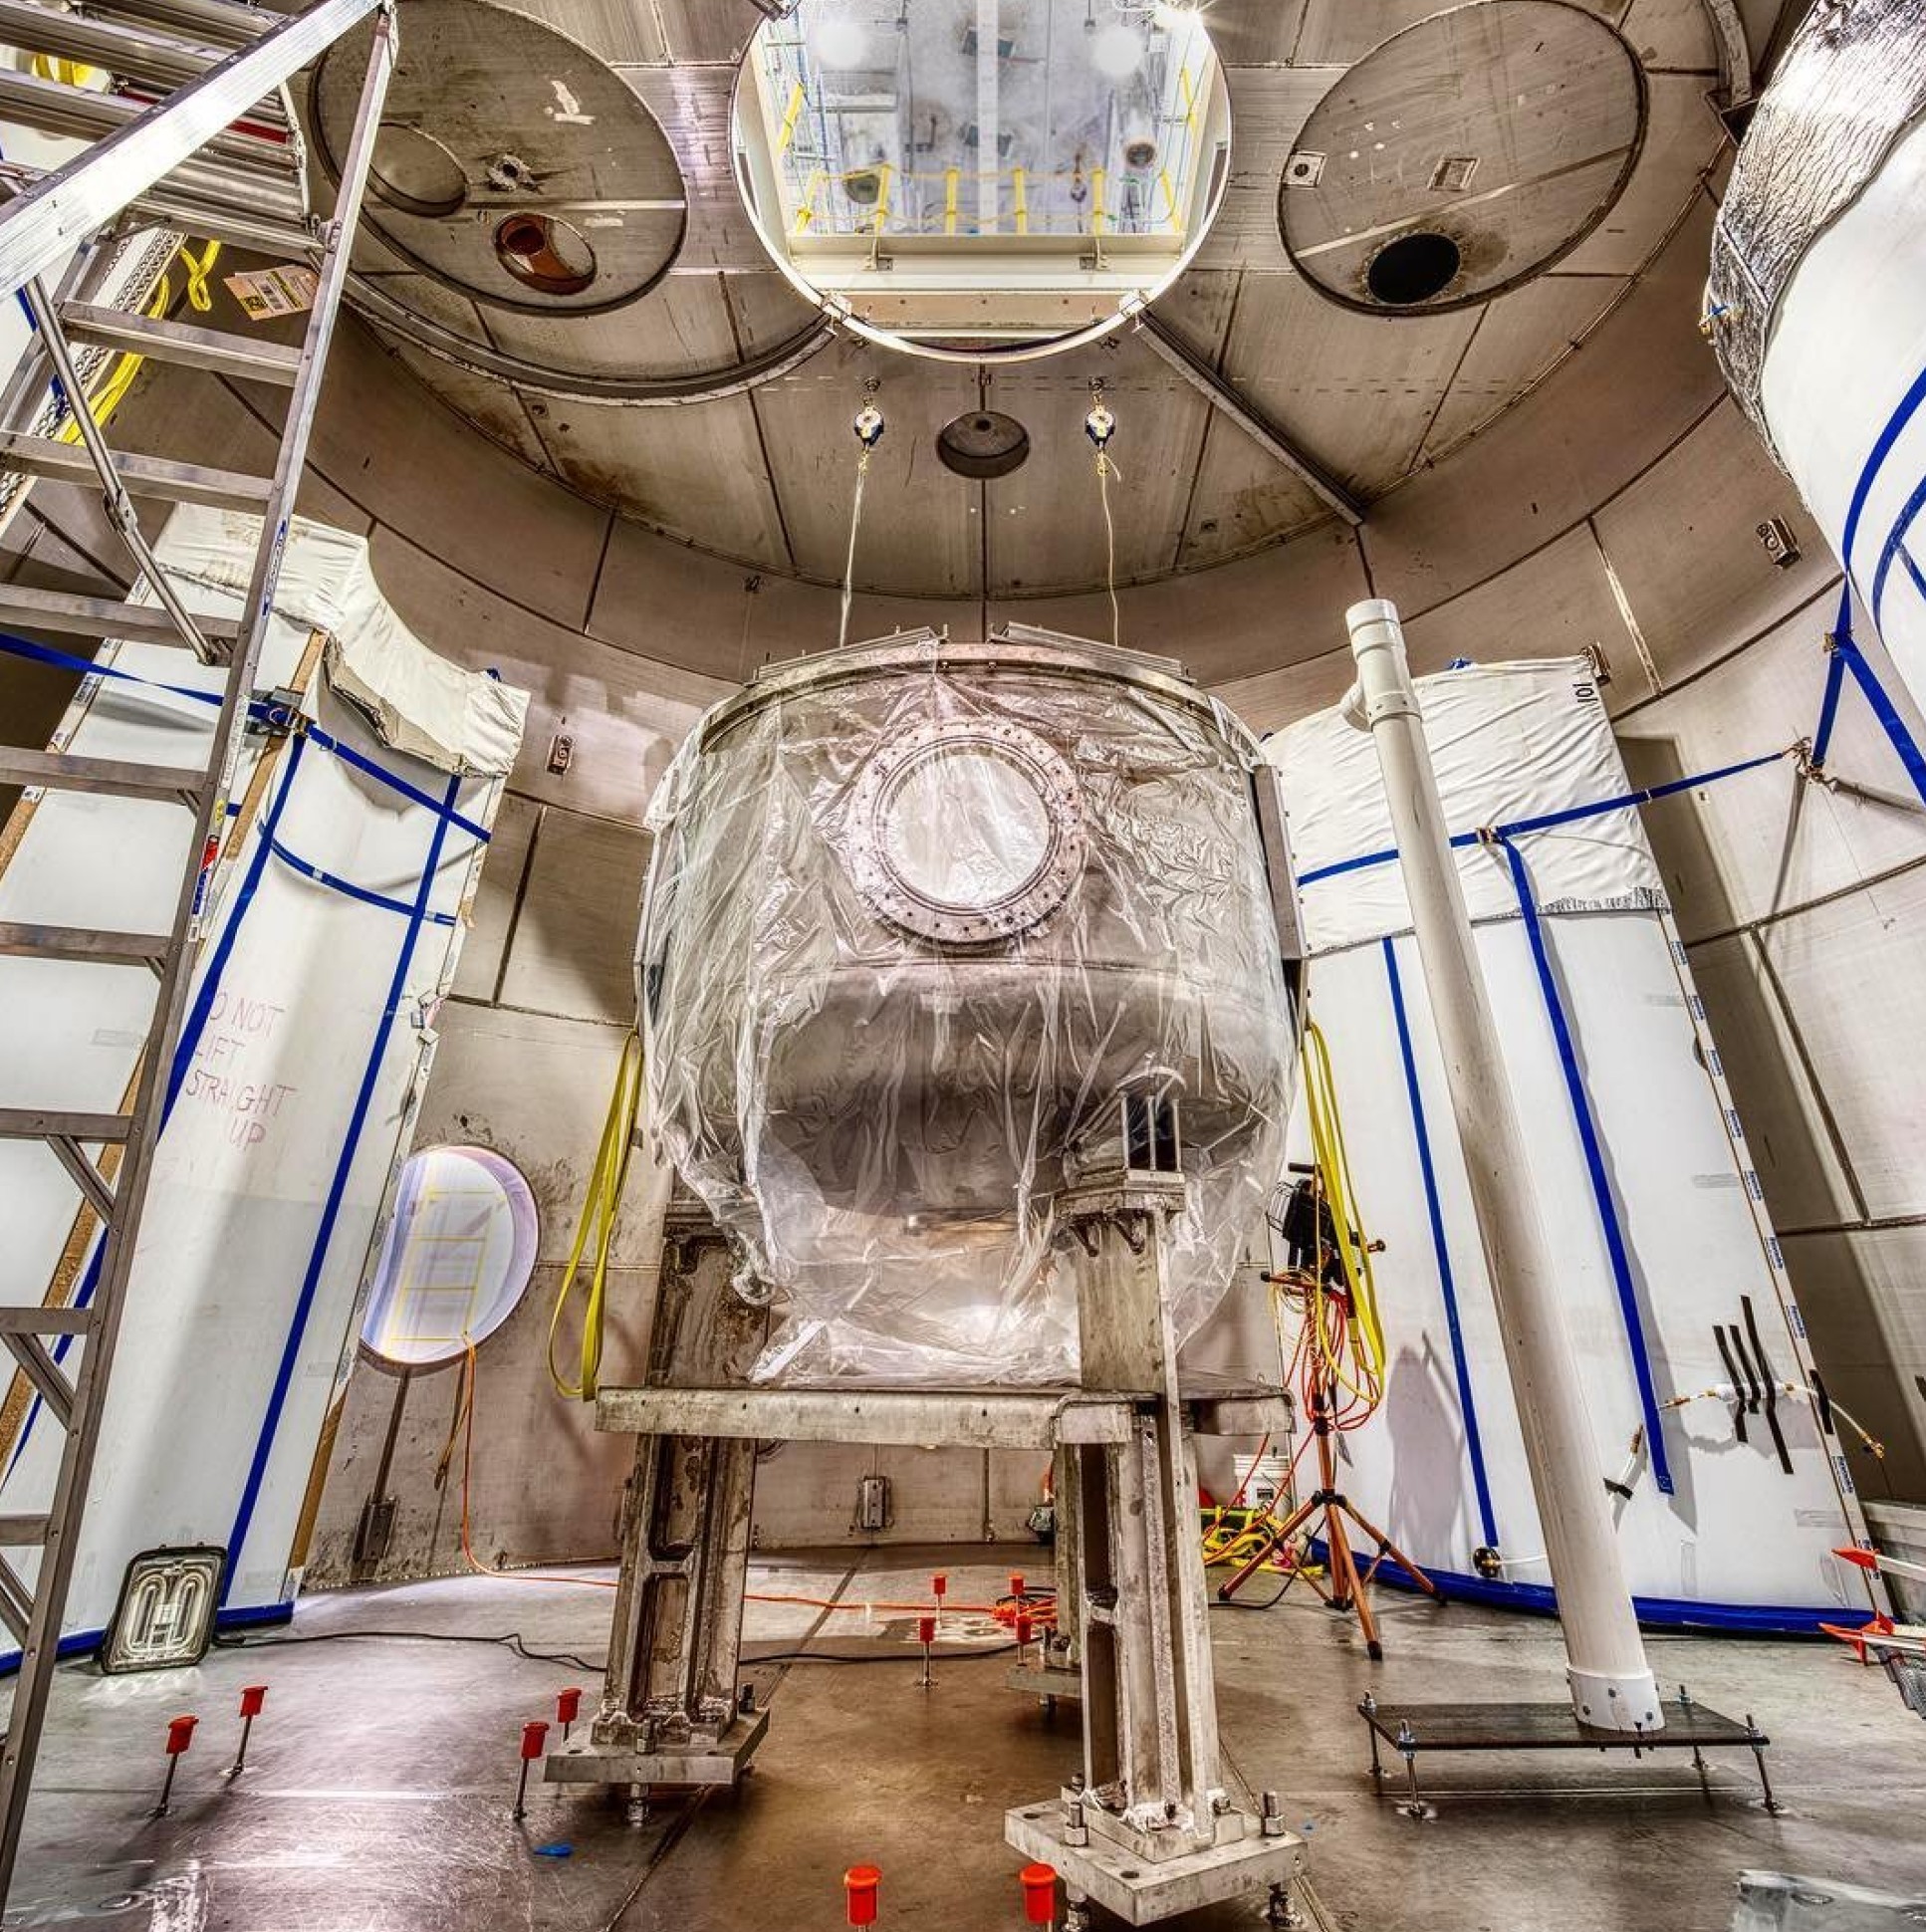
(512, 163)
(1463, 157)
(966, 185)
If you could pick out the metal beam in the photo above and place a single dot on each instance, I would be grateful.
(977, 1421)
(1265, 433)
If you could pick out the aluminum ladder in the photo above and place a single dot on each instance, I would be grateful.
(196, 138)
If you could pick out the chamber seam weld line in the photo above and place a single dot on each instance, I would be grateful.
(1461, 1369)
(1601, 1193)
(327, 741)
(1847, 656)
(184, 1051)
(337, 1187)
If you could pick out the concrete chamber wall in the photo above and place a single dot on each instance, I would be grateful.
(1616, 507)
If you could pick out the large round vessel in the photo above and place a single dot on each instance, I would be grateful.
(920, 914)
(1817, 298)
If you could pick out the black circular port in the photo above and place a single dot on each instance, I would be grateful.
(983, 445)
(1412, 269)
(545, 253)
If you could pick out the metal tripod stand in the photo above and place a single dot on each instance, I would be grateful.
(1348, 1588)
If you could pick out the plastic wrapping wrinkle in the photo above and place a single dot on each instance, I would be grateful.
(913, 925)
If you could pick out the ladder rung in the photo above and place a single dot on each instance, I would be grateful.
(196, 197)
(44, 1320)
(42, 1123)
(17, 1531)
(82, 943)
(70, 615)
(115, 777)
(135, 52)
(182, 342)
(223, 21)
(54, 108)
(144, 475)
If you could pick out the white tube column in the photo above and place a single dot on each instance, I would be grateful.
(1611, 1684)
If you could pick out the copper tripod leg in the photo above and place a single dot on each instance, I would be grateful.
(1387, 1548)
(1283, 1535)
(1347, 1587)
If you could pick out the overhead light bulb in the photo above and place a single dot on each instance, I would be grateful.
(1117, 52)
(839, 43)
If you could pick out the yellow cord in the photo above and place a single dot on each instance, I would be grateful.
(599, 1211)
(1327, 1149)
(113, 392)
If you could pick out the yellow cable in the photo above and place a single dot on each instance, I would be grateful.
(1328, 1148)
(102, 402)
(599, 1211)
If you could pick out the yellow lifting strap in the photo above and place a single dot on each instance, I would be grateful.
(598, 1224)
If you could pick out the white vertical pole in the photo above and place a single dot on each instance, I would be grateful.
(1611, 1683)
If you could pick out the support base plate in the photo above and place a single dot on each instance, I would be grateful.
(1141, 1893)
(583, 1762)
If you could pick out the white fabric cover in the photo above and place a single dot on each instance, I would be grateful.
(418, 703)
(1509, 742)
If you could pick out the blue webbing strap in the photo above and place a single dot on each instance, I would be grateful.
(321, 876)
(419, 915)
(1910, 406)
(67, 661)
(1847, 656)
(1595, 1163)
(1835, 676)
(1441, 1248)
(1546, 821)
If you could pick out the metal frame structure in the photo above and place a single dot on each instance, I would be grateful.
(1148, 1830)
(217, 156)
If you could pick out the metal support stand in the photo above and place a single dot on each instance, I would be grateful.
(1161, 1835)
(670, 1713)
(1148, 1830)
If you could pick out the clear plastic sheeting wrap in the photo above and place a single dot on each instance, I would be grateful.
(920, 914)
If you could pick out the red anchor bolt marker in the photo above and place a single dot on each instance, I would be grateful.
(567, 1707)
(1038, 1894)
(862, 1884)
(533, 1736)
(253, 1697)
(180, 1734)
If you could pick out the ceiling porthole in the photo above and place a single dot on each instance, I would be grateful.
(414, 172)
(1413, 268)
(983, 445)
(456, 1259)
(545, 253)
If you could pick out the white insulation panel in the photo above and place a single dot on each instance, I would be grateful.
(1715, 1530)
(309, 1026)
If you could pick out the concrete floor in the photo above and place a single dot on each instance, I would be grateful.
(379, 1782)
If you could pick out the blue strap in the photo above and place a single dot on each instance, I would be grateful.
(1848, 653)
(337, 1187)
(1835, 676)
(67, 661)
(1596, 1164)
(1910, 406)
(334, 883)
(1889, 553)
(1441, 1248)
(1547, 821)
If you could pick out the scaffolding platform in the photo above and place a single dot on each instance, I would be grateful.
(1410, 1729)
